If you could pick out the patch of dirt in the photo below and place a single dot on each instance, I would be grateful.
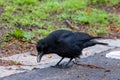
(16, 47)
(115, 9)
(1, 10)
(114, 32)
(2, 30)
(8, 63)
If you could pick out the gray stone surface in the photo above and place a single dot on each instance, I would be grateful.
(29, 61)
(112, 42)
(111, 71)
(76, 72)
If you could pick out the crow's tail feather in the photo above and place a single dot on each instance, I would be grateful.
(101, 43)
(96, 37)
(92, 43)
(86, 40)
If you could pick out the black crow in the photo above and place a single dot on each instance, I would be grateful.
(45, 45)
(66, 44)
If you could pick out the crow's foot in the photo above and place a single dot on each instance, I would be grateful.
(63, 65)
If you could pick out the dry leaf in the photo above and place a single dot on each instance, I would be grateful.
(88, 12)
(16, 63)
(117, 29)
(49, 56)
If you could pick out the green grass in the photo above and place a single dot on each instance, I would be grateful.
(20, 34)
(40, 17)
(94, 17)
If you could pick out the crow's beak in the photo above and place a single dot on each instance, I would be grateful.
(39, 57)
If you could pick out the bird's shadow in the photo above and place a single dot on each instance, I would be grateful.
(63, 65)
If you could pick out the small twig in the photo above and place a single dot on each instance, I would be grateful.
(9, 44)
(92, 66)
(69, 24)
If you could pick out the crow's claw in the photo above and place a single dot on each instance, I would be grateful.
(62, 66)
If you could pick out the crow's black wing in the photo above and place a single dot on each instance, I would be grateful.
(84, 37)
(70, 41)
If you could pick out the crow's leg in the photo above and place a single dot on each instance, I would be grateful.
(58, 64)
(69, 61)
(63, 65)
(66, 65)
(59, 61)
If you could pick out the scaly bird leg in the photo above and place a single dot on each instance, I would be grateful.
(67, 64)
(59, 61)
(69, 61)
(57, 65)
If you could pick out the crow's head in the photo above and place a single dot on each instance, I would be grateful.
(41, 48)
